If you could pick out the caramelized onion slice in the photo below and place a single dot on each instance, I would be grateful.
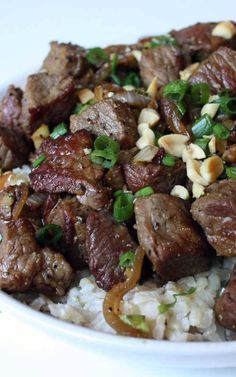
(21, 198)
(113, 298)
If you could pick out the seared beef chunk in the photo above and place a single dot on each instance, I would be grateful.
(198, 40)
(105, 242)
(161, 178)
(47, 99)
(125, 58)
(55, 275)
(65, 59)
(115, 178)
(14, 150)
(162, 62)
(226, 305)
(10, 109)
(20, 259)
(68, 169)
(108, 117)
(216, 213)
(172, 117)
(218, 71)
(172, 241)
(71, 216)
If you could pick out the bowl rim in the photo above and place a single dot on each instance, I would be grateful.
(80, 333)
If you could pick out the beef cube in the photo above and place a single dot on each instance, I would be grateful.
(172, 117)
(172, 241)
(14, 150)
(20, 259)
(163, 62)
(10, 109)
(160, 177)
(105, 242)
(115, 178)
(55, 275)
(198, 39)
(225, 308)
(47, 99)
(108, 117)
(71, 216)
(65, 59)
(218, 71)
(68, 169)
(216, 213)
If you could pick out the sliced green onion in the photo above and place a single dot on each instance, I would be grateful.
(163, 308)
(168, 160)
(200, 93)
(50, 234)
(117, 193)
(231, 172)
(106, 158)
(127, 259)
(202, 143)
(123, 207)
(114, 61)
(59, 130)
(105, 142)
(176, 90)
(202, 126)
(80, 108)
(146, 191)
(115, 78)
(221, 132)
(227, 104)
(132, 79)
(96, 56)
(36, 163)
(182, 108)
(105, 151)
(137, 321)
(162, 40)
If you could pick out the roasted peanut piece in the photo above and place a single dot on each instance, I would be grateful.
(149, 116)
(211, 168)
(173, 144)
(180, 192)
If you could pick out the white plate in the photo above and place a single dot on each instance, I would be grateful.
(150, 17)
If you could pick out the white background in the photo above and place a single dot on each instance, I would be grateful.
(26, 27)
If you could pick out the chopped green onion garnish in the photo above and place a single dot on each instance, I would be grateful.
(123, 207)
(146, 191)
(117, 193)
(163, 308)
(202, 143)
(181, 107)
(127, 259)
(176, 90)
(105, 142)
(114, 61)
(231, 172)
(200, 93)
(132, 79)
(36, 163)
(105, 151)
(96, 56)
(221, 132)
(80, 108)
(163, 40)
(202, 126)
(227, 104)
(106, 158)
(115, 78)
(50, 234)
(137, 321)
(59, 130)
(168, 160)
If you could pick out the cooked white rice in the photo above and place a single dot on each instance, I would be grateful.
(191, 318)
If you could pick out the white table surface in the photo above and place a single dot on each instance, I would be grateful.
(26, 27)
